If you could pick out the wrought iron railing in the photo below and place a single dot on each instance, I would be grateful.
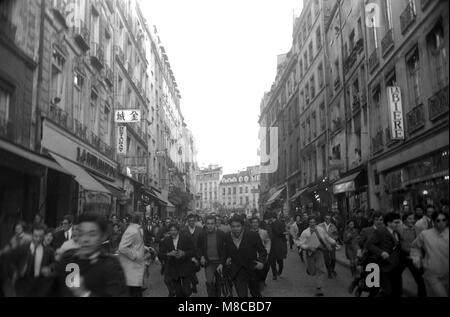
(415, 118)
(438, 104)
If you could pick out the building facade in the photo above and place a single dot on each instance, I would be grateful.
(207, 189)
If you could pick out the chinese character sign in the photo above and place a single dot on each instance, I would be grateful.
(396, 113)
(121, 140)
(127, 116)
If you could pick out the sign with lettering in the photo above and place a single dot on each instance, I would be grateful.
(121, 139)
(138, 169)
(127, 116)
(92, 161)
(395, 113)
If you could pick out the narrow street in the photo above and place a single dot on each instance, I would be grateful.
(293, 283)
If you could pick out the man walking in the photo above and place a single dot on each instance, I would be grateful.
(193, 231)
(211, 247)
(314, 240)
(330, 255)
(245, 255)
(278, 251)
(265, 239)
(65, 234)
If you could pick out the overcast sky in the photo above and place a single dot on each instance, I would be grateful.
(223, 55)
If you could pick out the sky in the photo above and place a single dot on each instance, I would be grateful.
(223, 54)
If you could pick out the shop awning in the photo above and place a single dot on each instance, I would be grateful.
(169, 204)
(275, 196)
(298, 193)
(346, 184)
(160, 197)
(36, 158)
(113, 188)
(81, 175)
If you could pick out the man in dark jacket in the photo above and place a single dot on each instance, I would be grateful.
(65, 234)
(245, 255)
(278, 250)
(177, 251)
(384, 246)
(193, 231)
(87, 271)
(211, 247)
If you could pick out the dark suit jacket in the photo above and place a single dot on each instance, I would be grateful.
(278, 249)
(383, 241)
(202, 244)
(175, 268)
(364, 236)
(250, 250)
(185, 231)
(103, 277)
(59, 239)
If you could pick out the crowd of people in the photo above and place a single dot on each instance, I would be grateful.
(92, 256)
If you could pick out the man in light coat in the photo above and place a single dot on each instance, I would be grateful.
(132, 255)
(330, 255)
(315, 240)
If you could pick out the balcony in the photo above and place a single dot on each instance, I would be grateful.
(415, 118)
(81, 34)
(387, 43)
(350, 60)
(407, 18)
(373, 60)
(359, 46)
(109, 76)
(389, 140)
(80, 130)
(59, 116)
(6, 128)
(377, 142)
(356, 104)
(438, 104)
(337, 124)
(337, 83)
(97, 55)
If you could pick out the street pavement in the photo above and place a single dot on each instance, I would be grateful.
(293, 283)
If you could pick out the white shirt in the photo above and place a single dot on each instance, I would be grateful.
(37, 258)
(175, 242)
(68, 234)
(191, 230)
(327, 226)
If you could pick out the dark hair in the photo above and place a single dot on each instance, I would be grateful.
(116, 225)
(377, 214)
(237, 218)
(437, 213)
(69, 218)
(418, 206)
(254, 218)
(22, 223)
(350, 220)
(359, 211)
(39, 227)
(430, 206)
(406, 215)
(50, 230)
(209, 217)
(190, 216)
(312, 218)
(390, 217)
(174, 225)
(135, 217)
(99, 220)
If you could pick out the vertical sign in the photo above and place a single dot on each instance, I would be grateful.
(395, 113)
(121, 139)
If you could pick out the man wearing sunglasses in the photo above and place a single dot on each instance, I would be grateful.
(65, 234)
(430, 250)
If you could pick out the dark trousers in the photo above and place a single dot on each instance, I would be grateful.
(243, 282)
(265, 272)
(417, 274)
(291, 242)
(182, 286)
(273, 265)
(135, 291)
(330, 260)
(391, 283)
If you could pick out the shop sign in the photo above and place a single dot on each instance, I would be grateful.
(121, 139)
(92, 161)
(344, 187)
(395, 113)
(127, 116)
(137, 169)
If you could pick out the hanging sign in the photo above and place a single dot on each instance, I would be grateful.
(127, 116)
(395, 113)
(121, 139)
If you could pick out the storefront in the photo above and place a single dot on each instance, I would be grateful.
(422, 181)
(276, 201)
(350, 193)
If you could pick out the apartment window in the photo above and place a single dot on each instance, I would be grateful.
(318, 38)
(376, 98)
(336, 152)
(320, 75)
(308, 129)
(234, 190)
(229, 190)
(313, 124)
(351, 40)
(305, 33)
(301, 68)
(93, 112)
(246, 189)
(5, 98)
(305, 60)
(311, 54)
(322, 117)
(308, 20)
(413, 72)
(77, 97)
(360, 30)
(307, 93)
(388, 13)
(324, 159)
(106, 124)
(437, 56)
(336, 69)
(297, 154)
(313, 87)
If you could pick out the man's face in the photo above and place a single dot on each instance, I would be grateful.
(410, 220)
(19, 229)
(66, 225)
(327, 219)
(305, 216)
(48, 238)
(255, 224)
(394, 224)
(359, 215)
(440, 222)
(114, 219)
(191, 222)
(173, 232)
(38, 236)
(210, 225)
(90, 238)
(236, 228)
(167, 222)
(430, 211)
(378, 222)
(419, 212)
(312, 223)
